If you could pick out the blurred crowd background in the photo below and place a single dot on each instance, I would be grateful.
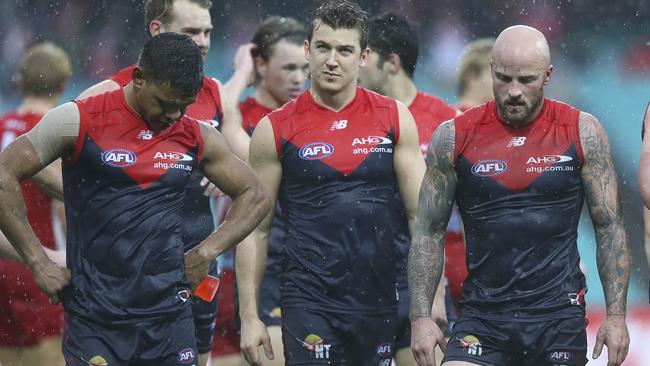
(600, 49)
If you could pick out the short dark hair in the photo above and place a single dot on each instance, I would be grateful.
(274, 29)
(162, 10)
(341, 14)
(392, 33)
(175, 59)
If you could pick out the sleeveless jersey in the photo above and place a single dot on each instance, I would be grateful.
(520, 196)
(251, 113)
(337, 196)
(198, 222)
(429, 112)
(124, 192)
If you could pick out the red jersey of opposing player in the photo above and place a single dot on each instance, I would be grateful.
(26, 315)
(429, 112)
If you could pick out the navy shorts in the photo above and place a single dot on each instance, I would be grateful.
(165, 343)
(320, 338)
(205, 316)
(501, 343)
(404, 323)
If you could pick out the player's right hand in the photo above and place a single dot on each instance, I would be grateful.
(51, 278)
(244, 61)
(254, 334)
(425, 336)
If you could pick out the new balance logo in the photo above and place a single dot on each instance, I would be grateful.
(339, 125)
(145, 135)
(516, 141)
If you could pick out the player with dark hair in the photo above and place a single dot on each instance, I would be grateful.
(335, 158)
(520, 167)
(192, 17)
(128, 156)
(280, 71)
(391, 64)
(30, 327)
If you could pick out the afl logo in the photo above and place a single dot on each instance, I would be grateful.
(119, 158)
(316, 151)
(488, 168)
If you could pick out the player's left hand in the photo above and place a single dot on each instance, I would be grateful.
(210, 189)
(613, 333)
(197, 265)
(254, 334)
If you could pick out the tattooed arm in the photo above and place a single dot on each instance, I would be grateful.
(612, 252)
(426, 256)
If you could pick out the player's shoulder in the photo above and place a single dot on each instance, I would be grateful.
(481, 113)
(291, 109)
(375, 99)
(102, 102)
(426, 101)
(123, 76)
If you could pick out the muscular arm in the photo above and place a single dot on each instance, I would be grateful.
(22, 159)
(604, 203)
(251, 255)
(50, 179)
(233, 177)
(426, 256)
(644, 162)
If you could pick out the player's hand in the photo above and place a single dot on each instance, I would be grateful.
(210, 189)
(613, 333)
(197, 265)
(254, 334)
(244, 61)
(51, 278)
(425, 336)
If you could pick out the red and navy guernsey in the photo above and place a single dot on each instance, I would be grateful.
(124, 192)
(337, 196)
(520, 195)
(198, 222)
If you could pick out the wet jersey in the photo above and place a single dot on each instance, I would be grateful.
(520, 195)
(429, 112)
(37, 201)
(198, 222)
(337, 196)
(124, 191)
(251, 113)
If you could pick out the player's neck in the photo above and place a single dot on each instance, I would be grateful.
(264, 97)
(38, 105)
(527, 121)
(402, 88)
(334, 100)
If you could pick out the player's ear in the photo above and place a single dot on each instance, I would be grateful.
(547, 74)
(306, 47)
(364, 56)
(155, 28)
(394, 63)
(260, 66)
(138, 77)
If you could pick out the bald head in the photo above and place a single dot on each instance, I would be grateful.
(522, 46)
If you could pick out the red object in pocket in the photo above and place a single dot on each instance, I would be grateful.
(207, 288)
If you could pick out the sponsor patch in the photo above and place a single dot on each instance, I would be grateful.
(489, 168)
(173, 156)
(315, 345)
(98, 361)
(560, 356)
(472, 344)
(384, 350)
(316, 151)
(119, 158)
(371, 140)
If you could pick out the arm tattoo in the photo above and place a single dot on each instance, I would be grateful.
(604, 202)
(434, 207)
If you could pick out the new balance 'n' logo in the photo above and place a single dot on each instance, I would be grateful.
(517, 141)
(339, 125)
(145, 135)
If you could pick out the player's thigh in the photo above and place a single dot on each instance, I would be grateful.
(404, 357)
(10, 356)
(310, 338)
(275, 333)
(556, 342)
